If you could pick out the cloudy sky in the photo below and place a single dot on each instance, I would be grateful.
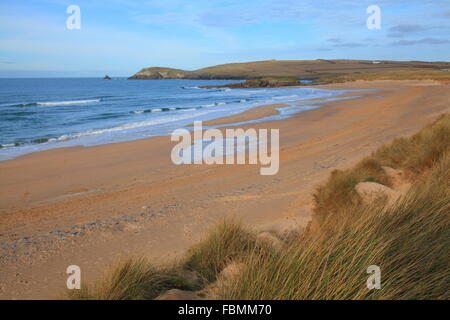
(119, 37)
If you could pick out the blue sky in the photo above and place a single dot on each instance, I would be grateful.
(119, 37)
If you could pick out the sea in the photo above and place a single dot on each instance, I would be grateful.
(41, 114)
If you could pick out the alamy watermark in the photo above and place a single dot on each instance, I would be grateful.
(374, 20)
(73, 22)
(74, 279)
(237, 146)
(374, 281)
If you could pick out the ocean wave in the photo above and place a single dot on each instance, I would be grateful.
(181, 108)
(195, 87)
(104, 116)
(209, 89)
(122, 127)
(19, 104)
(285, 97)
(155, 110)
(18, 144)
(240, 101)
(52, 103)
(9, 145)
(60, 103)
(187, 109)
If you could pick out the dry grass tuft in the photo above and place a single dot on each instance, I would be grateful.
(228, 242)
(135, 279)
(421, 151)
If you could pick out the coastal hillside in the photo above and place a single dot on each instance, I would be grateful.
(390, 211)
(160, 73)
(299, 69)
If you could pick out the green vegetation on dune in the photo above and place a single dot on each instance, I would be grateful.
(414, 155)
(228, 242)
(419, 152)
(135, 279)
(408, 240)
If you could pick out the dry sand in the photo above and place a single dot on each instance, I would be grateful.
(89, 206)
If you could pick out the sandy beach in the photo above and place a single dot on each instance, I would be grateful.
(89, 206)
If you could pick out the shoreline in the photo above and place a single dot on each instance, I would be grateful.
(255, 113)
(261, 111)
(67, 205)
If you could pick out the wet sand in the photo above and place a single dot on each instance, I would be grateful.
(89, 206)
(252, 114)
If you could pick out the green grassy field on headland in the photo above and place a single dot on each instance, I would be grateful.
(442, 76)
(404, 230)
(296, 69)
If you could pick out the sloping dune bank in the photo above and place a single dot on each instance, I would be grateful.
(89, 206)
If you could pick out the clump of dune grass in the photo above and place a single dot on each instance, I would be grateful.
(409, 242)
(339, 192)
(135, 279)
(228, 242)
(420, 151)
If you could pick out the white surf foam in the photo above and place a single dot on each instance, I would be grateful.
(60, 103)
(285, 97)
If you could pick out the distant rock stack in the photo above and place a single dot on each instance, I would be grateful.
(106, 77)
